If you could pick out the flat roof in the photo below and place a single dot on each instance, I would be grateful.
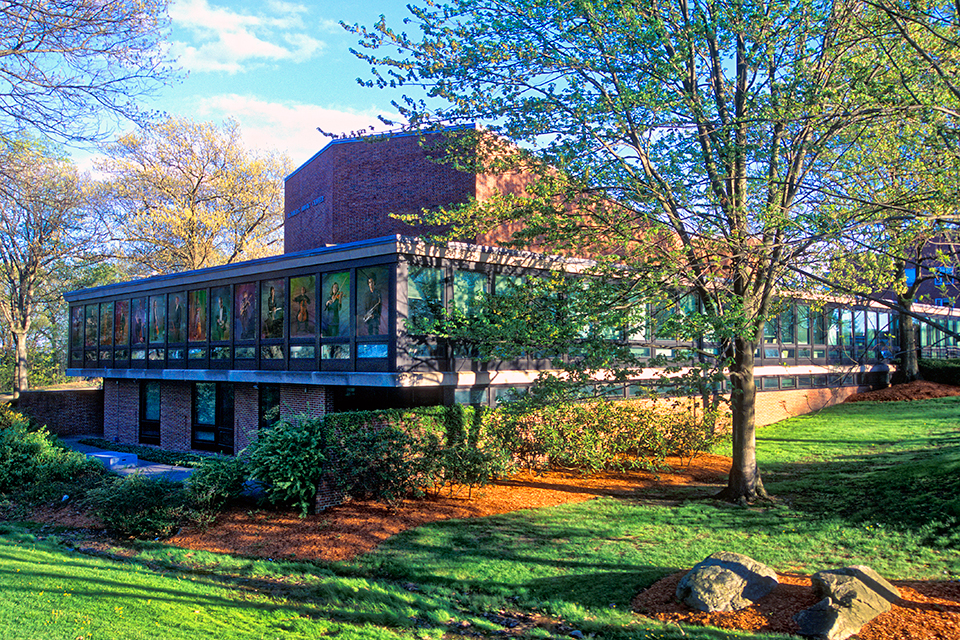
(358, 250)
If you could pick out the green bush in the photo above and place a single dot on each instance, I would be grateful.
(377, 463)
(291, 459)
(217, 481)
(140, 506)
(34, 456)
(940, 371)
(383, 455)
(602, 435)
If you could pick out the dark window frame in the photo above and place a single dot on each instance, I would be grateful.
(223, 428)
(263, 420)
(148, 428)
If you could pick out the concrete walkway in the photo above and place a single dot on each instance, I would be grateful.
(127, 463)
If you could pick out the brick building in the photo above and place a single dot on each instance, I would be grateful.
(202, 360)
(351, 188)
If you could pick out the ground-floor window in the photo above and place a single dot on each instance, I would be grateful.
(213, 417)
(269, 406)
(150, 412)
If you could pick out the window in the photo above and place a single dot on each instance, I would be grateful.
(910, 273)
(213, 417)
(469, 288)
(803, 324)
(942, 302)
(424, 293)
(470, 396)
(788, 325)
(770, 331)
(149, 412)
(106, 324)
(944, 276)
(269, 406)
(335, 316)
(859, 326)
(372, 301)
(818, 327)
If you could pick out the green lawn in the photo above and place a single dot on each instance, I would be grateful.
(875, 484)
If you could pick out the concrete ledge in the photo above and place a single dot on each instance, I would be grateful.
(114, 460)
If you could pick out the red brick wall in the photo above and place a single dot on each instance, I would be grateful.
(362, 182)
(121, 410)
(246, 417)
(774, 406)
(176, 400)
(296, 400)
(70, 412)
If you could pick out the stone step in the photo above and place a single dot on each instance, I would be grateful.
(114, 460)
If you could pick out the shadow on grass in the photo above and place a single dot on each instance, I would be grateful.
(916, 487)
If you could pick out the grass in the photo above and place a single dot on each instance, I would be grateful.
(894, 465)
(857, 484)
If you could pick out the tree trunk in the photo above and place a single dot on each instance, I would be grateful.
(744, 483)
(20, 382)
(909, 368)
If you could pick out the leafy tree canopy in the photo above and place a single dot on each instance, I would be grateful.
(183, 195)
(702, 146)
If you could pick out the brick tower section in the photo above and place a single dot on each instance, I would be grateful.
(348, 190)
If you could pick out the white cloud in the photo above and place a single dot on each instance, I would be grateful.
(286, 126)
(212, 38)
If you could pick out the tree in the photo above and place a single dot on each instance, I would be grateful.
(694, 147)
(182, 195)
(63, 63)
(44, 236)
(915, 240)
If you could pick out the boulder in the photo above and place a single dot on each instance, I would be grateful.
(726, 581)
(852, 597)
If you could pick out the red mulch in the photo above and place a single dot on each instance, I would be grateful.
(919, 390)
(925, 610)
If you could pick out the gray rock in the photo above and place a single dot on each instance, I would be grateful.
(852, 597)
(726, 581)
(837, 583)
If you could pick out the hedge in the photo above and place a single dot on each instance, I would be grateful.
(389, 454)
(941, 371)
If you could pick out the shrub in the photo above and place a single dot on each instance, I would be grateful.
(941, 371)
(383, 455)
(377, 463)
(34, 456)
(441, 447)
(602, 435)
(139, 506)
(217, 481)
(291, 460)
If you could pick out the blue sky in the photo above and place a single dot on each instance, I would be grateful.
(280, 68)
